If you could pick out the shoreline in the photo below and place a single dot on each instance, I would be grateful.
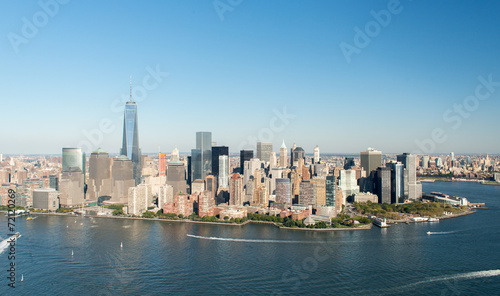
(469, 212)
(367, 227)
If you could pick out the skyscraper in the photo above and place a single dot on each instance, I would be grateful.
(425, 161)
(73, 157)
(99, 175)
(71, 188)
(245, 155)
(73, 163)
(383, 184)
(130, 145)
(414, 187)
(307, 194)
(264, 151)
(201, 157)
(283, 191)
(216, 152)
(291, 153)
(297, 154)
(236, 190)
(162, 164)
(370, 160)
(122, 178)
(331, 184)
(283, 155)
(316, 154)
(397, 182)
(223, 171)
(176, 176)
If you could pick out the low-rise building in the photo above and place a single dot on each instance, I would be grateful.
(45, 199)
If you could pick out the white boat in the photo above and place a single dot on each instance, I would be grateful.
(22, 277)
(433, 220)
(428, 232)
(419, 219)
(121, 245)
(72, 253)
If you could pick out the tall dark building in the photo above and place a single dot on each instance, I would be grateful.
(130, 145)
(383, 184)
(216, 152)
(244, 156)
(331, 183)
(349, 163)
(189, 165)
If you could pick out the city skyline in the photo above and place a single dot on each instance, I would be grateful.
(285, 58)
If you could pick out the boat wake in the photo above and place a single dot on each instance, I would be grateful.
(244, 240)
(438, 279)
(459, 276)
(6, 243)
(442, 232)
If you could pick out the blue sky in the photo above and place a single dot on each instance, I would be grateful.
(228, 75)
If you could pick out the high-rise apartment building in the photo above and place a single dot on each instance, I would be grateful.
(236, 190)
(283, 155)
(162, 164)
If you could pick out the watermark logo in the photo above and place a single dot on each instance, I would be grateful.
(223, 6)
(277, 124)
(363, 37)
(456, 115)
(31, 27)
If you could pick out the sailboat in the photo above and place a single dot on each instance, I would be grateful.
(72, 253)
(121, 245)
(22, 277)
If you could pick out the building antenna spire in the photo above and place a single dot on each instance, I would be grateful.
(131, 89)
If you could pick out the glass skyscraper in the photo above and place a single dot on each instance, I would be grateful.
(130, 146)
(201, 157)
(73, 158)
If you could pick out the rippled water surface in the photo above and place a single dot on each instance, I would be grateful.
(459, 257)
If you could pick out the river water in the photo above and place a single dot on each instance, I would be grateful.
(82, 256)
